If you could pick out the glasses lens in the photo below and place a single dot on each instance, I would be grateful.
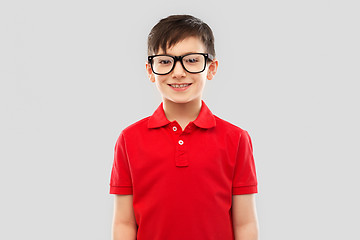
(162, 64)
(194, 62)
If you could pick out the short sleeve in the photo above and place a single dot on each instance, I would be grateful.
(120, 180)
(244, 181)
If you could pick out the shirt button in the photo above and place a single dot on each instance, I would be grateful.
(174, 128)
(181, 142)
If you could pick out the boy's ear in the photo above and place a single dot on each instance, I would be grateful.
(149, 72)
(212, 69)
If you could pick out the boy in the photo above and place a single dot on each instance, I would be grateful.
(183, 173)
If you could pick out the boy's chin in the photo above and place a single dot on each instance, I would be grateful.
(179, 101)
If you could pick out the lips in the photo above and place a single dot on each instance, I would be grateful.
(180, 87)
(178, 83)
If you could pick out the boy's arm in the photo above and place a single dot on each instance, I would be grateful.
(124, 224)
(244, 217)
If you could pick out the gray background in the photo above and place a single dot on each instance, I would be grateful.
(73, 76)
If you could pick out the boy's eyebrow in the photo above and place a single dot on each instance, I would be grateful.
(165, 53)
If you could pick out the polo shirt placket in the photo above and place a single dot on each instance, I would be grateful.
(181, 153)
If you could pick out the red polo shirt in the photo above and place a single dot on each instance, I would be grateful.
(182, 181)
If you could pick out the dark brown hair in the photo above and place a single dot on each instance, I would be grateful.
(175, 28)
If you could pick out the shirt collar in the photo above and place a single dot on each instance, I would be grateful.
(205, 119)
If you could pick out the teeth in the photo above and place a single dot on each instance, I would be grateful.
(179, 85)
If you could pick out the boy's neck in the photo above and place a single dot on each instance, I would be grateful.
(182, 112)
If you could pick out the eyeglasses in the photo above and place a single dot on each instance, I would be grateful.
(193, 62)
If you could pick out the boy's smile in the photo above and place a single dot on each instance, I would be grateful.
(180, 86)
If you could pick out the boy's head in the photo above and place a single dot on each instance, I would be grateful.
(181, 51)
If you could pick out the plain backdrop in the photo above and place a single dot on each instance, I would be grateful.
(73, 76)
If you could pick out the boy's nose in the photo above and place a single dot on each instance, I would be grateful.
(178, 71)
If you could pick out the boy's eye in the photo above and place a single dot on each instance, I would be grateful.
(163, 61)
(192, 60)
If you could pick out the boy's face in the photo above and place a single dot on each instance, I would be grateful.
(180, 76)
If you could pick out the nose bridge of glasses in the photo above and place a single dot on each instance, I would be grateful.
(178, 59)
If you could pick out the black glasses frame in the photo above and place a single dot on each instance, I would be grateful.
(207, 56)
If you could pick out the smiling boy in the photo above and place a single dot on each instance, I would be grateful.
(183, 173)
